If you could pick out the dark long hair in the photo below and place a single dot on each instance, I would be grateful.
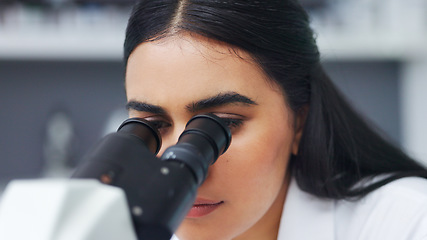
(338, 149)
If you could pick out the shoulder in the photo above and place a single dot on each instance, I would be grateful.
(409, 187)
(397, 210)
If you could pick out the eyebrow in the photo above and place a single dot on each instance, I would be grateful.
(220, 100)
(210, 102)
(144, 107)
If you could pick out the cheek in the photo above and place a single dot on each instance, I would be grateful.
(264, 156)
(255, 163)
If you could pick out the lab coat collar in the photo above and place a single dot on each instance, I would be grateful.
(306, 216)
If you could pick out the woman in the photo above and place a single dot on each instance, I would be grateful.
(298, 153)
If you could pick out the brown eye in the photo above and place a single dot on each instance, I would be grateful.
(232, 123)
(160, 124)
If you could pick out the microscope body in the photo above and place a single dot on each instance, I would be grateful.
(154, 189)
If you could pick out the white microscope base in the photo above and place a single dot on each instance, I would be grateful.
(64, 210)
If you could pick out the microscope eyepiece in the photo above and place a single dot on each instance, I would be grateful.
(142, 129)
(205, 137)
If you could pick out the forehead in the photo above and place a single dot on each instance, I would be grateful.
(189, 67)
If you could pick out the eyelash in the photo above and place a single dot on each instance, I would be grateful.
(161, 125)
(232, 123)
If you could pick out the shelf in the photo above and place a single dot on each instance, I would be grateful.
(69, 33)
(373, 46)
(107, 44)
(64, 45)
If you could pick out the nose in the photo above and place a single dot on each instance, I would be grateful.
(171, 137)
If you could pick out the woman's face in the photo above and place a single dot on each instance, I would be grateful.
(168, 81)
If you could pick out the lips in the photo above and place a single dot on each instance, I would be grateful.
(203, 207)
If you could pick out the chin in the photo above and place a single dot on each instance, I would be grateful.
(189, 231)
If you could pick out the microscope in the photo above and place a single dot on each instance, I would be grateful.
(121, 190)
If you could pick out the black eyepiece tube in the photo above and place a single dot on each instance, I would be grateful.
(203, 140)
(141, 129)
(215, 130)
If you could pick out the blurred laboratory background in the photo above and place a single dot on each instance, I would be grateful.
(61, 74)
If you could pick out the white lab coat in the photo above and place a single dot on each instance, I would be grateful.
(396, 211)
